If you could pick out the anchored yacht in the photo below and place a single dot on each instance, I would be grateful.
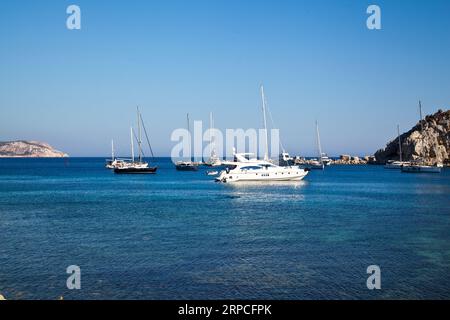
(187, 165)
(394, 164)
(140, 166)
(420, 165)
(420, 168)
(244, 168)
(214, 160)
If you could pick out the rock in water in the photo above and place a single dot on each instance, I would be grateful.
(431, 145)
(29, 149)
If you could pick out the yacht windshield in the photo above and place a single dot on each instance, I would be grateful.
(251, 168)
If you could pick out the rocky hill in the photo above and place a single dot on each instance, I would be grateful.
(29, 149)
(430, 144)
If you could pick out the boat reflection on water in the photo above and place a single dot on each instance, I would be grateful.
(260, 185)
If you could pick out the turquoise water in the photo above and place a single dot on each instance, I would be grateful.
(179, 235)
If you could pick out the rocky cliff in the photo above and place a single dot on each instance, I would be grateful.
(29, 149)
(428, 141)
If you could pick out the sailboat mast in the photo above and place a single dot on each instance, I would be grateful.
(189, 131)
(266, 151)
(132, 144)
(421, 122)
(399, 143)
(319, 146)
(210, 127)
(211, 136)
(112, 150)
(139, 134)
(187, 119)
(420, 112)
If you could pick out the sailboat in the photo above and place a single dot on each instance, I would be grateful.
(214, 160)
(317, 163)
(394, 164)
(114, 162)
(244, 168)
(187, 165)
(419, 166)
(324, 159)
(139, 166)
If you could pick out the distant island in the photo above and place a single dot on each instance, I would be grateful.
(428, 140)
(29, 149)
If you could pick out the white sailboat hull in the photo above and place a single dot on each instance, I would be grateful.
(421, 169)
(396, 165)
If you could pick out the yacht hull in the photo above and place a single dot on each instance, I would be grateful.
(421, 169)
(147, 170)
(187, 168)
(263, 177)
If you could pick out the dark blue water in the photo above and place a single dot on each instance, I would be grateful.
(179, 235)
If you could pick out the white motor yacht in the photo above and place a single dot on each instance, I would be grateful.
(245, 168)
(258, 170)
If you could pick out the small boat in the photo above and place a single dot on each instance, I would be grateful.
(212, 173)
(111, 163)
(186, 166)
(420, 166)
(285, 159)
(115, 162)
(326, 160)
(315, 164)
(213, 160)
(394, 164)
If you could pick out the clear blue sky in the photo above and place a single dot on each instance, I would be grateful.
(316, 59)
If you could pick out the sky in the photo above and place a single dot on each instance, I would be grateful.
(78, 89)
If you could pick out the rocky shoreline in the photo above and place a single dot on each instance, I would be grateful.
(29, 149)
(428, 142)
(344, 159)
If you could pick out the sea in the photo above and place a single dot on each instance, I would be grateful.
(180, 235)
